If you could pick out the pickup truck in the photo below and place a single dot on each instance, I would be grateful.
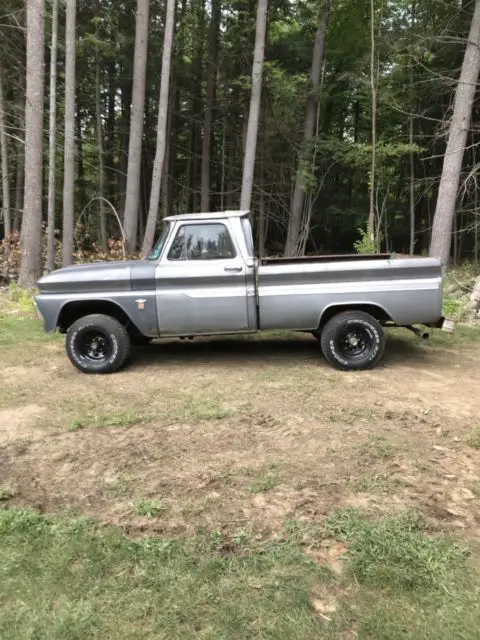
(203, 279)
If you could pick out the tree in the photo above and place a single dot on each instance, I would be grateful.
(31, 234)
(161, 130)
(255, 103)
(371, 225)
(52, 133)
(457, 140)
(4, 163)
(69, 151)
(208, 118)
(101, 153)
(132, 200)
(298, 199)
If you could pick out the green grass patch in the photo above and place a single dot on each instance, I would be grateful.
(66, 578)
(474, 438)
(21, 330)
(267, 480)
(150, 508)
(378, 448)
(411, 584)
(69, 579)
(374, 483)
(109, 419)
(394, 553)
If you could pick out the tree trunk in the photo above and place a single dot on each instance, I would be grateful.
(371, 231)
(52, 140)
(208, 120)
(457, 138)
(132, 199)
(412, 155)
(161, 130)
(19, 182)
(31, 235)
(194, 177)
(4, 162)
(255, 102)
(298, 199)
(69, 153)
(101, 159)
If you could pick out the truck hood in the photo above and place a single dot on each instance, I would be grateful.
(90, 278)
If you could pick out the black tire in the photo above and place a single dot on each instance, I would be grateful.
(97, 344)
(353, 340)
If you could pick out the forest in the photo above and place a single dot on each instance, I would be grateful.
(342, 125)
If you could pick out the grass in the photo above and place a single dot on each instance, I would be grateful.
(411, 584)
(149, 508)
(267, 480)
(474, 438)
(375, 483)
(378, 448)
(109, 419)
(69, 579)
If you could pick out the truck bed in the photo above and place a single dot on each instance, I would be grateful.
(294, 292)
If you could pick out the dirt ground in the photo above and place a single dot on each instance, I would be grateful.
(243, 435)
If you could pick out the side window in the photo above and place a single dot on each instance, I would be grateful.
(202, 242)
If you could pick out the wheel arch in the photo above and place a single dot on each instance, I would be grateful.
(73, 310)
(377, 311)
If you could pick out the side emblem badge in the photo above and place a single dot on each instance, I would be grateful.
(141, 304)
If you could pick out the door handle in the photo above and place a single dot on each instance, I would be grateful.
(233, 269)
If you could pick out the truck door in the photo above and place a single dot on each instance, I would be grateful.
(201, 282)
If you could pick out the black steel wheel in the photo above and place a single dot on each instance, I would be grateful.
(353, 340)
(97, 344)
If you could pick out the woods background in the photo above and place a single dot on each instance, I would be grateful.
(329, 120)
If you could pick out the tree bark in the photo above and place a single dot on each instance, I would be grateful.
(210, 100)
(298, 199)
(19, 182)
(52, 140)
(7, 223)
(411, 140)
(255, 102)
(101, 159)
(31, 234)
(69, 152)
(371, 230)
(161, 130)
(132, 200)
(462, 112)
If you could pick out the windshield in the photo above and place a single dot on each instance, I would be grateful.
(157, 251)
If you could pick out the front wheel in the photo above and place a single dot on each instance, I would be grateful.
(97, 344)
(353, 340)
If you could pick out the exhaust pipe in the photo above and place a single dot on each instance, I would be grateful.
(420, 334)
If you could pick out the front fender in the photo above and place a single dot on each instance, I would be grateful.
(139, 307)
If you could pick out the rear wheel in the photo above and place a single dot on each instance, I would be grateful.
(97, 344)
(353, 340)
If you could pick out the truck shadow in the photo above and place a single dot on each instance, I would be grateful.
(288, 351)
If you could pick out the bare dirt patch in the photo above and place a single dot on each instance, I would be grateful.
(19, 423)
(239, 435)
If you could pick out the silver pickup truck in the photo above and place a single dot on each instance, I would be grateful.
(202, 279)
